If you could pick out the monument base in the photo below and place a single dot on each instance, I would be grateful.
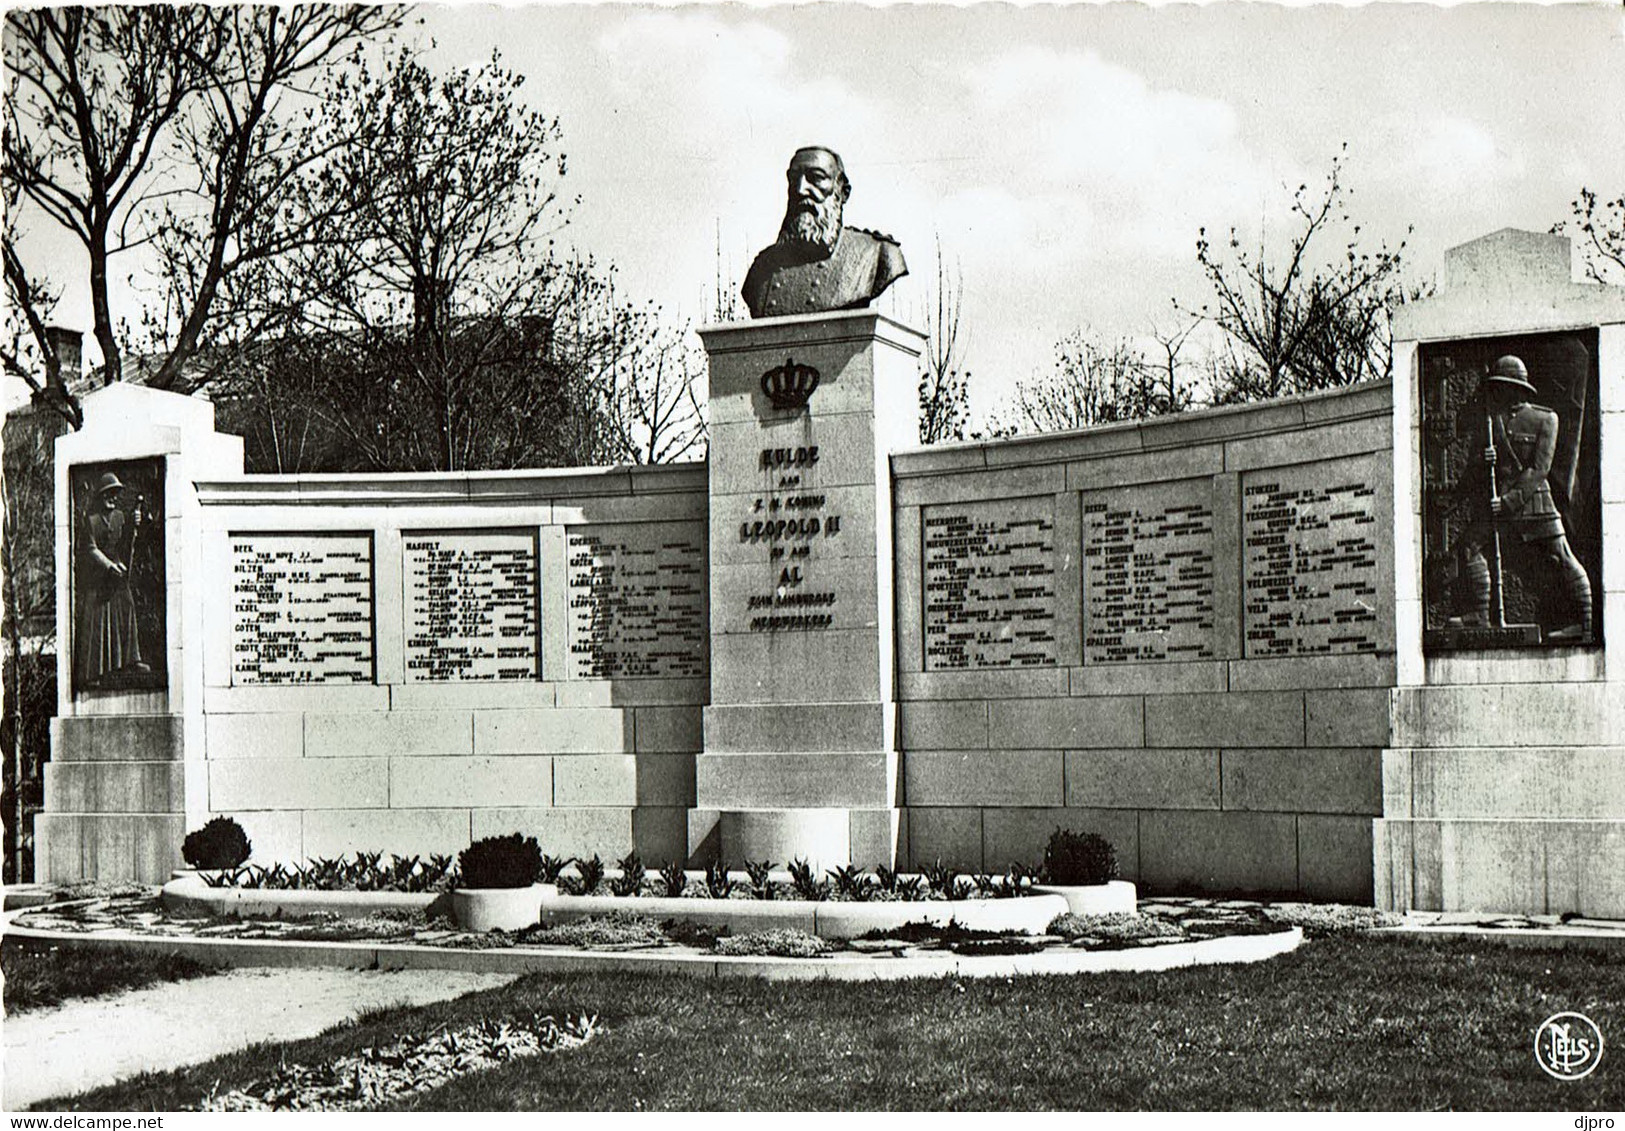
(1479, 637)
(115, 804)
(800, 754)
(824, 837)
(1504, 797)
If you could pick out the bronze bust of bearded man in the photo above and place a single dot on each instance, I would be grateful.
(818, 263)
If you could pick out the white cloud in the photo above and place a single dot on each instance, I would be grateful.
(1135, 169)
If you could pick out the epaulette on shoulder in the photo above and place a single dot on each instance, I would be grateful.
(877, 235)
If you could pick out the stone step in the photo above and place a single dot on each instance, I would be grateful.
(117, 738)
(115, 787)
(143, 847)
(822, 779)
(1575, 782)
(1530, 867)
(1509, 714)
(826, 838)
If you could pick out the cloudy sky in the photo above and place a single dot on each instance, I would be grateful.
(1065, 157)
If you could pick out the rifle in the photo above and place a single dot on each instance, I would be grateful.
(1498, 615)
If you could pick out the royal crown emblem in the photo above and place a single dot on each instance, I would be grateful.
(790, 385)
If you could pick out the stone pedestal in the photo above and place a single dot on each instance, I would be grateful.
(1504, 787)
(126, 778)
(800, 754)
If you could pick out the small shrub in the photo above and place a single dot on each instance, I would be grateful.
(508, 861)
(783, 942)
(554, 866)
(435, 872)
(760, 886)
(807, 885)
(850, 882)
(886, 878)
(1123, 926)
(1017, 881)
(1319, 919)
(617, 929)
(986, 886)
(961, 888)
(219, 844)
(912, 889)
(630, 881)
(367, 874)
(401, 870)
(686, 932)
(939, 876)
(589, 874)
(673, 880)
(326, 875)
(717, 881)
(1079, 859)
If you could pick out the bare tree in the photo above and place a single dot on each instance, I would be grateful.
(943, 378)
(1093, 382)
(652, 403)
(1600, 227)
(26, 348)
(1300, 323)
(130, 124)
(431, 323)
(1170, 388)
(28, 624)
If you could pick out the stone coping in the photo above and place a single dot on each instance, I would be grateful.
(827, 919)
(681, 960)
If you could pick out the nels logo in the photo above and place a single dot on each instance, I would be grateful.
(1568, 1045)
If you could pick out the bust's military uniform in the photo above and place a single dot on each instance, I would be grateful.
(1524, 436)
(786, 279)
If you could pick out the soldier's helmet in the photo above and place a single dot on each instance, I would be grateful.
(1510, 370)
(108, 482)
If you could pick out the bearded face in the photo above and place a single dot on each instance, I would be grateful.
(812, 216)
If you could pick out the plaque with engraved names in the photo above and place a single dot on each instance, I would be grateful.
(989, 584)
(470, 605)
(638, 603)
(1148, 573)
(301, 609)
(1311, 576)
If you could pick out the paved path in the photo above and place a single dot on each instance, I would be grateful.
(85, 1043)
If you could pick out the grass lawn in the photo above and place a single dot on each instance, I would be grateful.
(39, 976)
(1346, 1022)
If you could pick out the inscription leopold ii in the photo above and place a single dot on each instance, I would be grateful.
(790, 519)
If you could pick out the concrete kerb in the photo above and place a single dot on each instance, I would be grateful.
(1592, 939)
(191, 894)
(1031, 913)
(526, 960)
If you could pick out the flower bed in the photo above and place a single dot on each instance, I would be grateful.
(829, 918)
(1167, 932)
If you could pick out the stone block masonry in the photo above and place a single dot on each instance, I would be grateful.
(1173, 634)
(396, 663)
(1225, 640)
